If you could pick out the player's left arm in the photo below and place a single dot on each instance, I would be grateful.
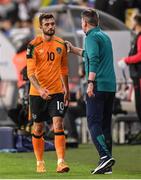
(64, 76)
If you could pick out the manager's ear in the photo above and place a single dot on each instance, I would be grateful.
(85, 23)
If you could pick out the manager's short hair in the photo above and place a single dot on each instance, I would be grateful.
(91, 16)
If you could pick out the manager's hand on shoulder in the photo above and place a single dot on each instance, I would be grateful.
(69, 46)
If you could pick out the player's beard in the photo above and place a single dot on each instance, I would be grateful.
(49, 32)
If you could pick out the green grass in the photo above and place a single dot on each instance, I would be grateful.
(80, 160)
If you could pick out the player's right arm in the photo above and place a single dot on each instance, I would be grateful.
(31, 67)
(64, 76)
(44, 93)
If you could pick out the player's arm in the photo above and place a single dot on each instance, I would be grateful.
(31, 67)
(34, 82)
(66, 89)
(64, 76)
(42, 91)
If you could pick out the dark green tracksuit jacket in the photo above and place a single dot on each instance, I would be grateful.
(98, 57)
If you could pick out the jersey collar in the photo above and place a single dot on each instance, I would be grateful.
(95, 29)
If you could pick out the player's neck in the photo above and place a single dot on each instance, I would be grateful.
(47, 38)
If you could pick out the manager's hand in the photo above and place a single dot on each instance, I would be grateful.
(69, 46)
(90, 90)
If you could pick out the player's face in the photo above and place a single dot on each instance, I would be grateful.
(48, 26)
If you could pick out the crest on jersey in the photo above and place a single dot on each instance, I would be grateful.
(59, 50)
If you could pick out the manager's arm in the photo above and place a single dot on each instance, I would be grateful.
(73, 49)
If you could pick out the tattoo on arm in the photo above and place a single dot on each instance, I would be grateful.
(34, 81)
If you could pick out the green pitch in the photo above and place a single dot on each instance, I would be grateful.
(80, 160)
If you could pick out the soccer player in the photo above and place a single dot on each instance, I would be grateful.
(98, 56)
(47, 70)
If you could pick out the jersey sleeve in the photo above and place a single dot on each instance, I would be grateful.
(137, 57)
(64, 62)
(31, 60)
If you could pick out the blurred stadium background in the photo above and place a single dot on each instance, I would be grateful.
(18, 25)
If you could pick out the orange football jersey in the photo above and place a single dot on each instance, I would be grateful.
(47, 60)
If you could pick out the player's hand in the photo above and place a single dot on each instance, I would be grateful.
(44, 93)
(66, 98)
(90, 90)
(122, 64)
(69, 46)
